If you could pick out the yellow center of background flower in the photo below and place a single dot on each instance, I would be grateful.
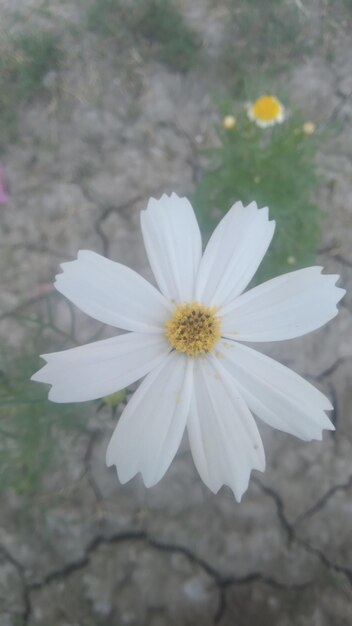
(193, 329)
(266, 109)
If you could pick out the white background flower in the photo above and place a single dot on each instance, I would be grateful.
(210, 390)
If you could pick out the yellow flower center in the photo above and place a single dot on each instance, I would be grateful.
(193, 329)
(266, 109)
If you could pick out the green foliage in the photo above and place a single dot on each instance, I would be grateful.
(266, 37)
(37, 53)
(108, 18)
(24, 61)
(29, 423)
(155, 25)
(164, 27)
(115, 398)
(262, 37)
(275, 167)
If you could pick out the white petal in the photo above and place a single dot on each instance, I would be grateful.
(233, 254)
(275, 393)
(101, 368)
(224, 438)
(282, 308)
(112, 293)
(173, 244)
(150, 429)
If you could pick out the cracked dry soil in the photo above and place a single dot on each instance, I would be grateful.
(91, 552)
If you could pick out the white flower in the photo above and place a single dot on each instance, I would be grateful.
(186, 340)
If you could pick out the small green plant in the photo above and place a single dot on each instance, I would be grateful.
(24, 61)
(29, 423)
(174, 42)
(37, 53)
(261, 37)
(275, 167)
(107, 18)
(155, 25)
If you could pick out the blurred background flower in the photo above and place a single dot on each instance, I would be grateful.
(229, 122)
(266, 111)
(308, 128)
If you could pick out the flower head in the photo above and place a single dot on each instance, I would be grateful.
(266, 111)
(308, 128)
(229, 122)
(186, 341)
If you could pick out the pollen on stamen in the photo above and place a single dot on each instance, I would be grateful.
(193, 329)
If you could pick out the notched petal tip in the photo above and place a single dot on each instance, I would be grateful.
(112, 463)
(164, 198)
(239, 494)
(36, 377)
(318, 433)
(340, 292)
(253, 207)
(109, 458)
(81, 254)
(333, 279)
(149, 482)
(45, 376)
(39, 375)
(238, 497)
(327, 424)
(175, 195)
(260, 213)
(123, 476)
(327, 404)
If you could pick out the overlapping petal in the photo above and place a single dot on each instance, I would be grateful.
(224, 438)
(150, 429)
(113, 293)
(173, 243)
(276, 394)
(101, 368)
(282, 308)
(233, 254)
